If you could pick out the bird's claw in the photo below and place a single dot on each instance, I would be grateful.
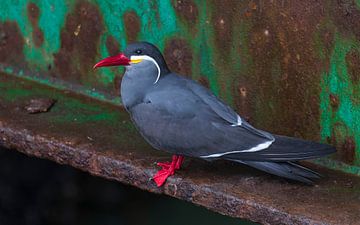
(164, 165)
(161, 176)
(167, 169)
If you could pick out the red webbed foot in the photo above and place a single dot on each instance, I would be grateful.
(168, 169)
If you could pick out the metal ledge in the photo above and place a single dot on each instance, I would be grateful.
(98, 138)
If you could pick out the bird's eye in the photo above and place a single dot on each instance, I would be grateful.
(138, 51)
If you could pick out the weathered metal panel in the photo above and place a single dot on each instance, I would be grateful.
(290, 67)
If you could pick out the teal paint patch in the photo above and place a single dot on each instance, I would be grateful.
(336, 165)
(241, 62)
(357, 2)
(343, 120)
(204, 41)
(15, 11)
(90, 112)
(52, 17)
(113, 12)
(159, 22)
(12, 95)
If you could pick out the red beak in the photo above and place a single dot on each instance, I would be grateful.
(117, 60)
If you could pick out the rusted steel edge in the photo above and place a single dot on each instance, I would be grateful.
(124, 171)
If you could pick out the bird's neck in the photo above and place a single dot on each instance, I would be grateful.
(136, 83)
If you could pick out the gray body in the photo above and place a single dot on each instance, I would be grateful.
(178, 115)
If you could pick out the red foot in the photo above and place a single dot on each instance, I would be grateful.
(168, 169)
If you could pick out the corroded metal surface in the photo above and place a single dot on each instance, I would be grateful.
(290, 67)
(99, 138)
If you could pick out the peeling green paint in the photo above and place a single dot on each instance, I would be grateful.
(345, 119)
(204, 51)
(52, 17)
(337, 165)
(91, 114)
(113, 11)
(357, 2)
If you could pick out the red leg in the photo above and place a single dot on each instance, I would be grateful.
(168, 169)
(179, 162)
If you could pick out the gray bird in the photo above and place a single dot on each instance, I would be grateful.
(178, 115)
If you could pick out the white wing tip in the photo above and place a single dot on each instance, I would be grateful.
(258, 147)
(238, 122)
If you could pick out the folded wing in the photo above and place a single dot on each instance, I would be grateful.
(186, 118)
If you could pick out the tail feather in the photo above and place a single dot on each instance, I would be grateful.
(305, 171)
(289, 170)
(281, 156)
(285, 149)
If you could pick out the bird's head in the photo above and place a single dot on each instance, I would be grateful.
(134, 55)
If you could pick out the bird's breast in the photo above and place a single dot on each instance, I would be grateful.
(134, 86)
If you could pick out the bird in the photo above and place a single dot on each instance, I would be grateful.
(178, 115)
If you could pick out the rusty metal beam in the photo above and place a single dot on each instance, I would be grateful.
(99, 138)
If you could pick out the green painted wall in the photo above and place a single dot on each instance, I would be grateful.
(290, 67)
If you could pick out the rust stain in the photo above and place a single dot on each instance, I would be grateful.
(287, 74)
(347, 150)
(353, 65)
(34, 13)
(334, 101)
(113, 48)
(345, 144)
(112, 45)
(178, 56)
(242, 102)
(11, 44)
(204, 82)
(327, 40)
(252, 6)
(79, 40)
(132, 26)
(117, 84)
(187, 10)
(223, 19)
(243, 92)
(38, 37)
(346, 15)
